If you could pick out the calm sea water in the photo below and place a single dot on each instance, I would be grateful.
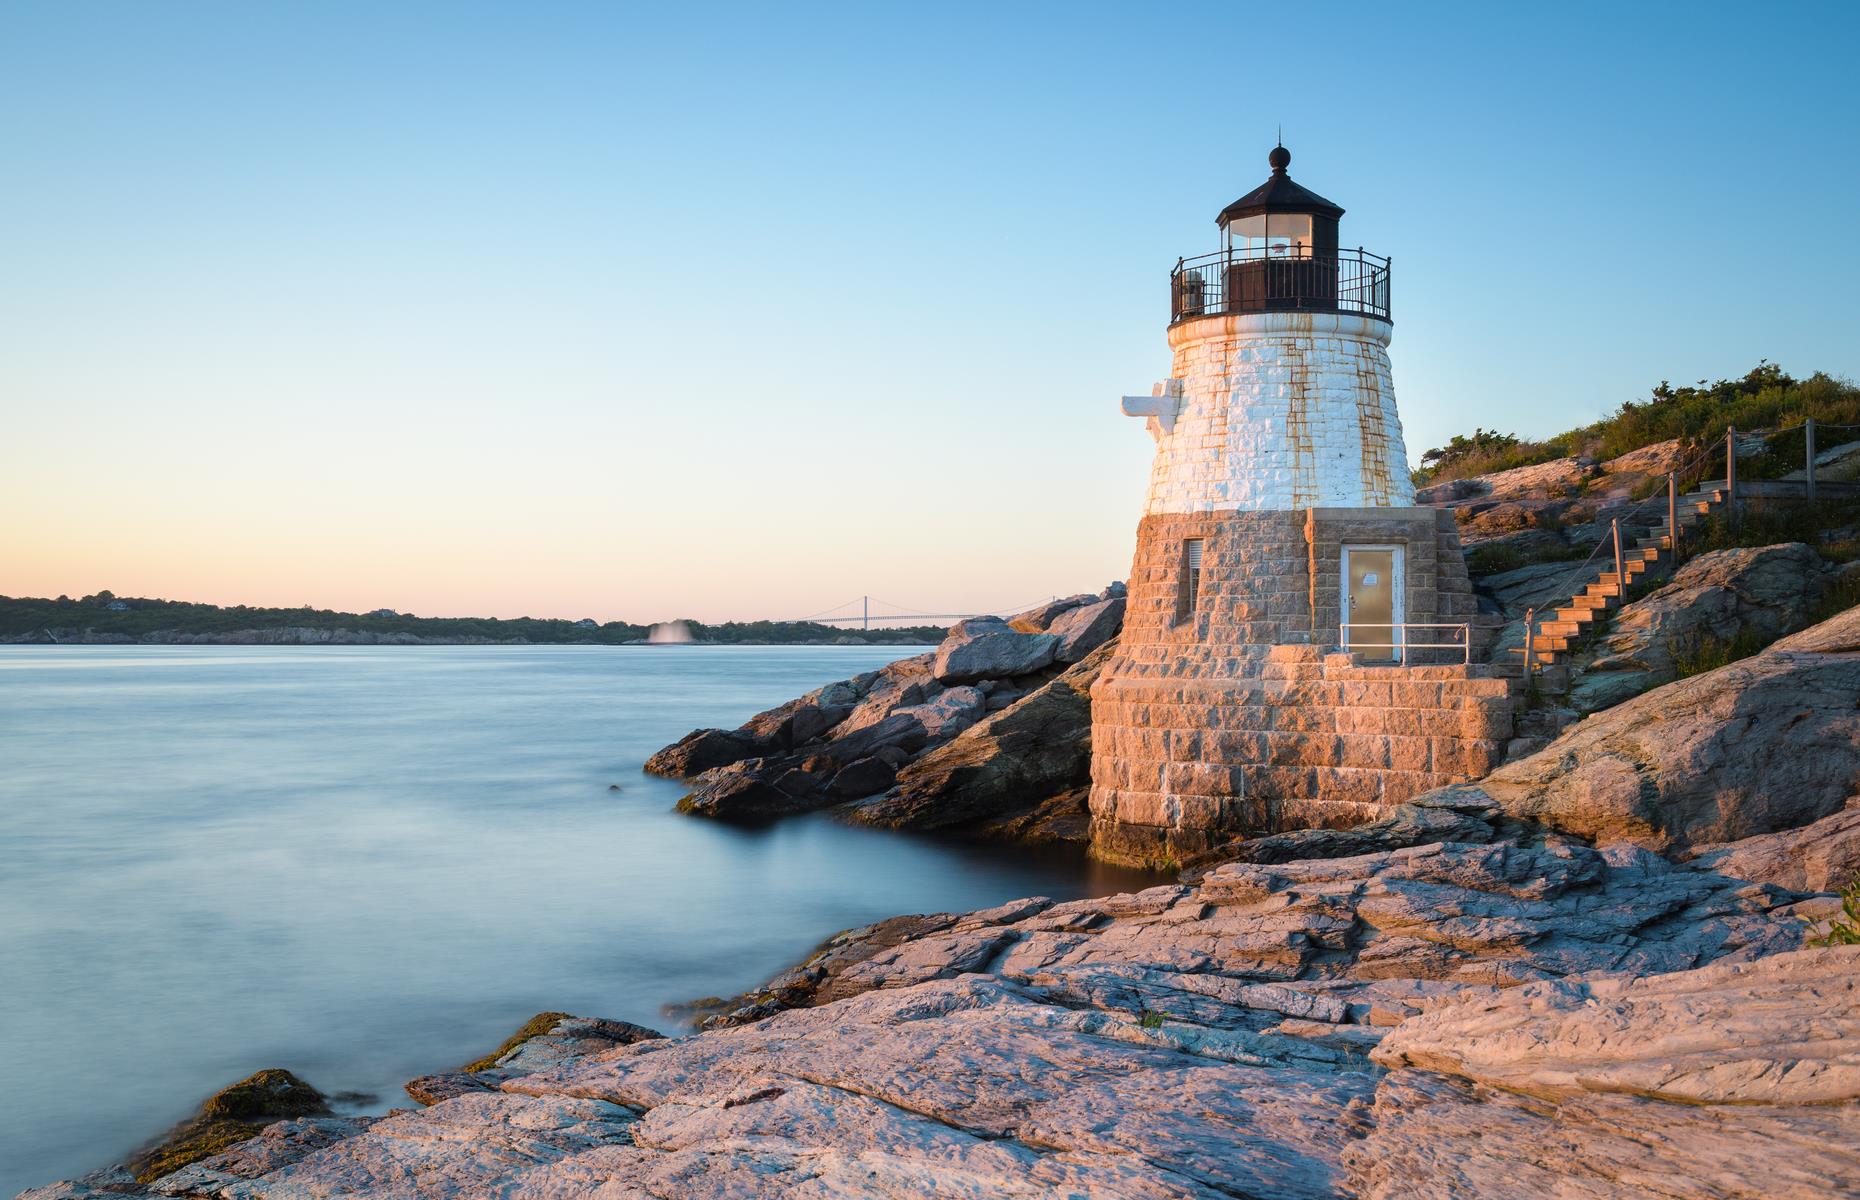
(365, 864)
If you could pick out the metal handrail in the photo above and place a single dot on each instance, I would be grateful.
(1278, 279)
(1463, 644)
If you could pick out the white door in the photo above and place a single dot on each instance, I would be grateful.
(1372, 602)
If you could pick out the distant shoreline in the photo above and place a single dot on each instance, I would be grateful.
(111, 620)
(348, 637)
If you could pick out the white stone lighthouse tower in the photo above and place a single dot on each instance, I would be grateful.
(1299, 644)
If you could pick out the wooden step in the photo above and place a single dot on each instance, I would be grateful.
(1559, 628)
(1596, 603)
(1581, 616)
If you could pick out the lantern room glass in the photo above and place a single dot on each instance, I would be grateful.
(1269, 235)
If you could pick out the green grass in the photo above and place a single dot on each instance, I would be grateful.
(1495, 559)
(1843, 930)
(1699, 653)
(1766, 397)
(1772, 523)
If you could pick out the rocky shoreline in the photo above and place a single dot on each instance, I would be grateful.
(987, 735)
(1589, 974)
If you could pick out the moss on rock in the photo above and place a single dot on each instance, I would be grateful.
(535, 1027)
(228, 1117)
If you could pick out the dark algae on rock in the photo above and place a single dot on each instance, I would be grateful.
(228, 1117)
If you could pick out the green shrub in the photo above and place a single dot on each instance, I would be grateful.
(1493, 559)
(1484, 452)
(1843, 930)
(1702, 652)
(1765, 397)
(1788, 521)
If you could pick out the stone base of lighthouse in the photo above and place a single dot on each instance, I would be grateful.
(1235, 715)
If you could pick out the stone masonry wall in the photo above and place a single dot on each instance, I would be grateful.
(1280, 412)
(1233, 718)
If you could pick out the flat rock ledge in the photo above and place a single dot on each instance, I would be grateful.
(1524, 1017)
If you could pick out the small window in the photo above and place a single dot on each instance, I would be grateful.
(1191, 575)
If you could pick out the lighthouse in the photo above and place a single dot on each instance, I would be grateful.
(1301, 646)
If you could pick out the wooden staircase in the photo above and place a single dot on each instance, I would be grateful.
(1554, 634)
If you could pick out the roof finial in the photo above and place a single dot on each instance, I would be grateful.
(1280, 158)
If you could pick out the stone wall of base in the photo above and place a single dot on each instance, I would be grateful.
(1289, 737)
(1224, 712)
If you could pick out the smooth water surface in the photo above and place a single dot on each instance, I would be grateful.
(365, 864)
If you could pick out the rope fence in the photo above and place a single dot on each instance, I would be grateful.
(1694, 471)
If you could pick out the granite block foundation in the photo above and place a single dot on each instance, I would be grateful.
(1237, 717)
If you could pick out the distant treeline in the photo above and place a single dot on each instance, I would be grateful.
(109, 616)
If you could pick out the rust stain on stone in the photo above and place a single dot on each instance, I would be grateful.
(1298, 424)
(1375, 437)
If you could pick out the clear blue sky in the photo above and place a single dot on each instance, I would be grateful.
(582, 309)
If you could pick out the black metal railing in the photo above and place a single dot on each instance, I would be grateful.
(1277, 280)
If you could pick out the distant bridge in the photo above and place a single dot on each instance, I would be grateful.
(864, 610)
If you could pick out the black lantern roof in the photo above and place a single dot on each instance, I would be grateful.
(1279, 195)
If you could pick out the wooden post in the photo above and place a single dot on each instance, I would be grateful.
(1672, 513)
(1620, 572)
(1730, 463)
(1730, 471)
(1530, 644)
(1809, 433)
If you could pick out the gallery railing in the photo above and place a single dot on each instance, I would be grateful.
(1279, 279)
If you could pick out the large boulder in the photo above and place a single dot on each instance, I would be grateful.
(1768, 743)
(1822, 857)
(1006, 764)
(1514, 592)
(1040, 618)
(703, 750)
(804, 723)
(747, 791)
(988, 648)
(1087, 627)
(950, 713)
(1721, 603)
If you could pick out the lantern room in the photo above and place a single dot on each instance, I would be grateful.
(1279, 218)
(1279, 251)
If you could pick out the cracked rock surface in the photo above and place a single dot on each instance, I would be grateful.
(1440, 1020)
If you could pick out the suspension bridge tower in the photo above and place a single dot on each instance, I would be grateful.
(1298, 648)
